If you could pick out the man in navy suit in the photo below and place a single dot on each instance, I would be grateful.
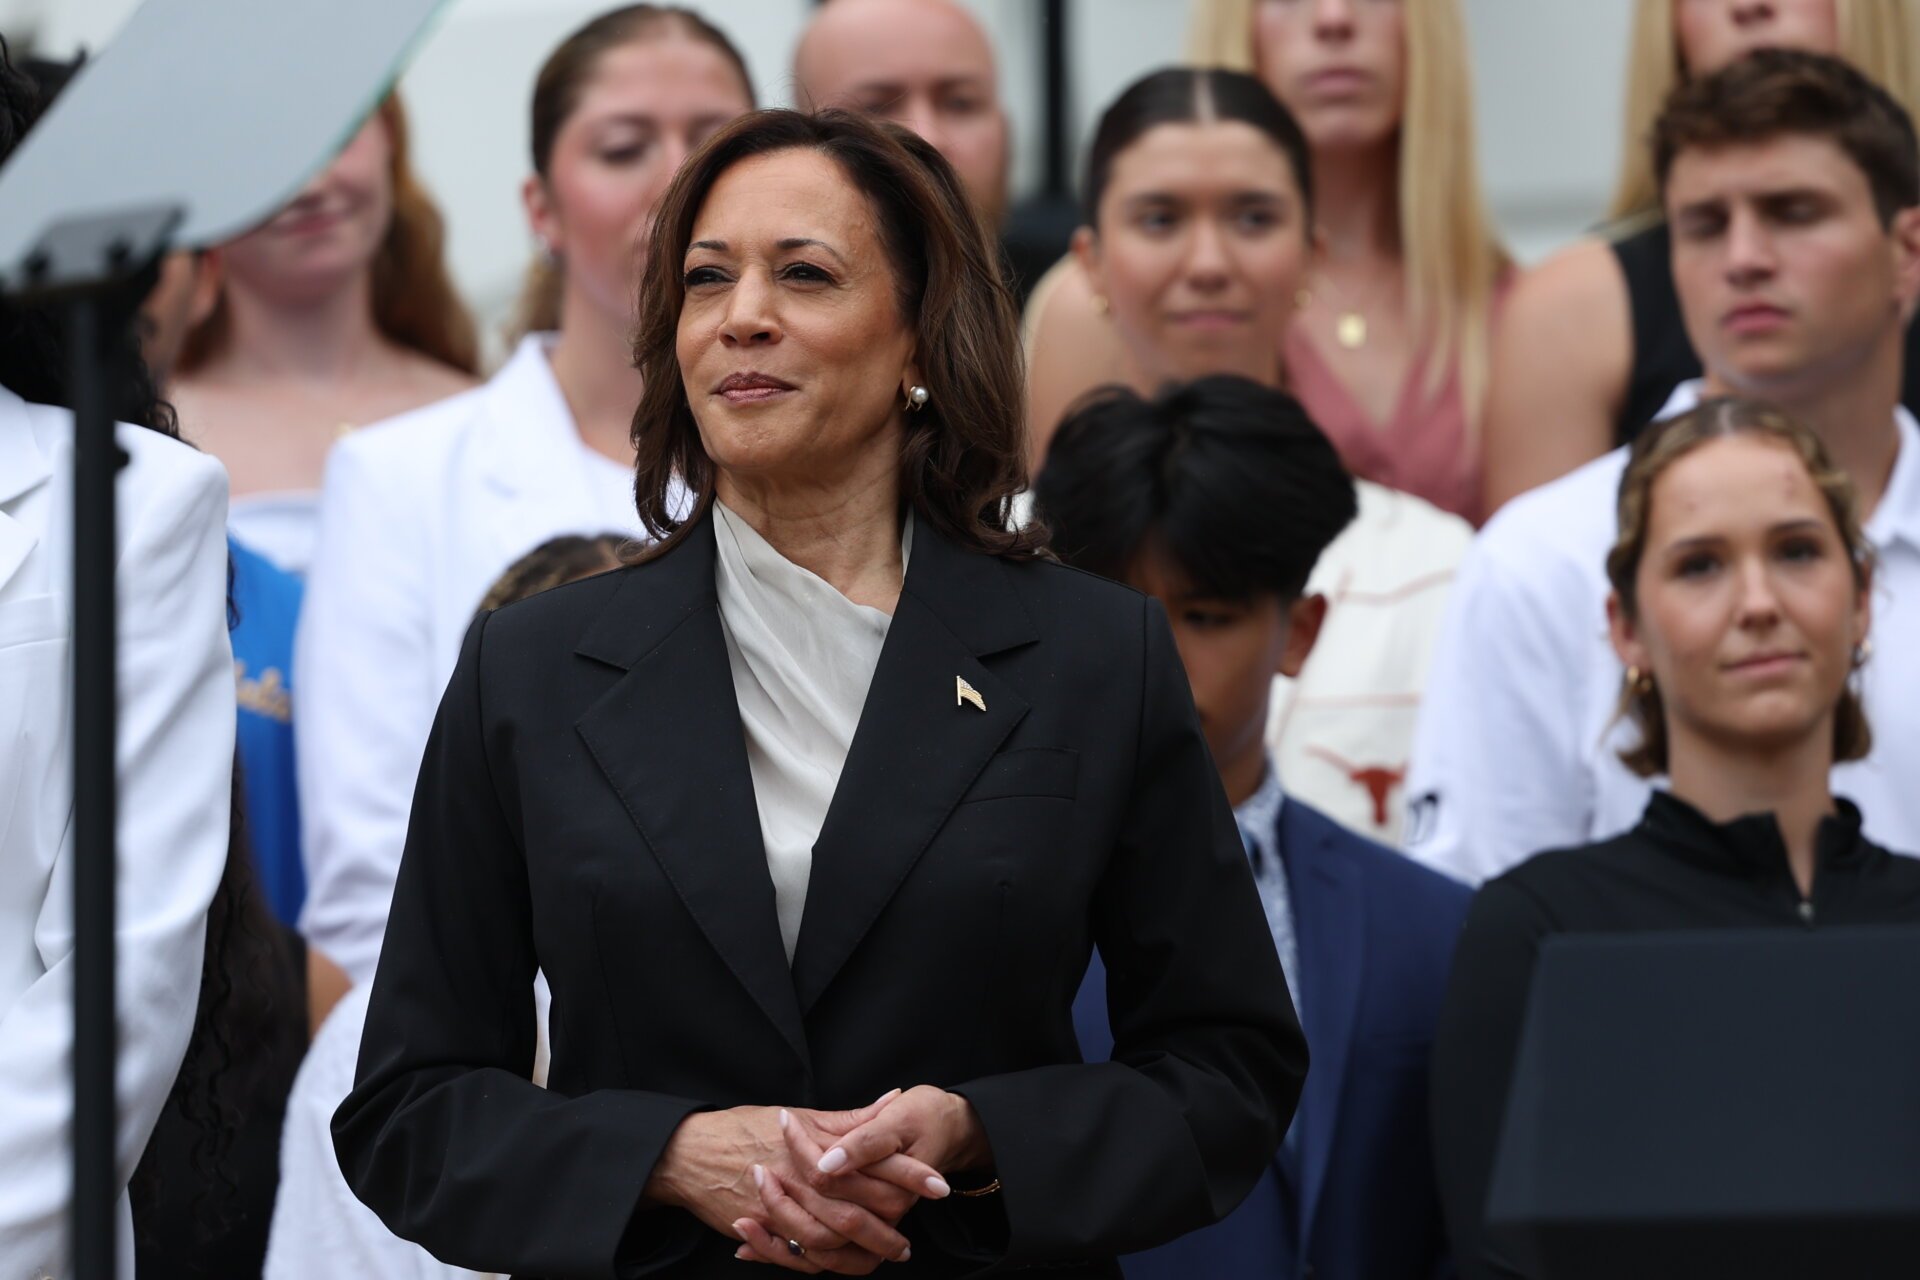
(1216, 498)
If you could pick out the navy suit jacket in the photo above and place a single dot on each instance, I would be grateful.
(1376, 933)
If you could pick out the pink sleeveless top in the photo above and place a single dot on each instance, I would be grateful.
(1424, 449)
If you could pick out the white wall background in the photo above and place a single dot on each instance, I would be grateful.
(1549, 78)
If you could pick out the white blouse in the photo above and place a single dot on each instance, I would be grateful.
(803, 656)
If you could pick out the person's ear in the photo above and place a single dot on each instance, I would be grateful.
(1905, 235)
(1305, 617)
(209, 271)
(542, 217)
(1625, 636)
(1086, 252)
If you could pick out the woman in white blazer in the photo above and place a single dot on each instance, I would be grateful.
(175, 769)
(421, 513)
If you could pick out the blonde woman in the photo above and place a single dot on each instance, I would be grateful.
(1389, 348)
(1593, 343)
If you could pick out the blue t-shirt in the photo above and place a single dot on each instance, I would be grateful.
(266, 603)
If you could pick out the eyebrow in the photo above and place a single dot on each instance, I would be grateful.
(788, 245)
(1802, 525)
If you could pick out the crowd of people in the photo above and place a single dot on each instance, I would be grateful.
(811, 763)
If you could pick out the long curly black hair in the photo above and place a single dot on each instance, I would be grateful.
(34, 361)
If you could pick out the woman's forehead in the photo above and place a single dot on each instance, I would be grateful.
(797, 194)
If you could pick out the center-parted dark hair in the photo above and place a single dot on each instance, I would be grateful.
(1192, 95)
(964, 456)
(1771, 92)
(1230, 479)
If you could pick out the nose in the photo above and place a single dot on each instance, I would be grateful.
(917, 113)
(1333, 19)
(1209, 268)
(1753, 13)
(749, 320)
(1750, 251)
(1759, 603)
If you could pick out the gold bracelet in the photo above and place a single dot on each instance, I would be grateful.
(987, 1190)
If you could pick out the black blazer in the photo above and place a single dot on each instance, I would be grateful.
(585, 808)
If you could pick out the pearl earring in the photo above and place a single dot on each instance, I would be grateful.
(917, 398)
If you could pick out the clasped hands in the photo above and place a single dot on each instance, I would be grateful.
(836, 1183)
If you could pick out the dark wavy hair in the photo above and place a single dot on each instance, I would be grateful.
(964, 457)
(34, 359)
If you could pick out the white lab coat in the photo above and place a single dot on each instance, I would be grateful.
(175, 766)
(418, 516)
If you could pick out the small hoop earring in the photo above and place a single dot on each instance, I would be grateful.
(1639, 681)
(917, 398)
(1862, 652)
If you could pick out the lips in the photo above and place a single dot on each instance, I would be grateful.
(1208, 318)
(1337, 82)
(1766, 664)
(1754, 317)
(751, 387)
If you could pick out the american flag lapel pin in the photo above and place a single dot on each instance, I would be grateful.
(964, 693)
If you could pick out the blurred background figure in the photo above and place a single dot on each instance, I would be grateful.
(1597, 343)
(174, 757)
(1216, 498)
(925, 64)
(336, 313)
(320, 1230)
(1389, 349)
(1740, 608)
(1200, 203)
(1793, 184)
(422, 513)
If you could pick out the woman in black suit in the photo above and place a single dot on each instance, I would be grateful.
(831, 793)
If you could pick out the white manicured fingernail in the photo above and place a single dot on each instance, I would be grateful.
(785, 1119)
(888, 1096)
(740, 1229)
(937, 1187)
(906, 1254)
(833, 1162)
(759, 1177)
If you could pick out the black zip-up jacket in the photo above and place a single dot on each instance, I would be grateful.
(1677, 869)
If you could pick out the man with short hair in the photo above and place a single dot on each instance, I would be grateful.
(1793, 187)
(924, 64)
(1216, 498)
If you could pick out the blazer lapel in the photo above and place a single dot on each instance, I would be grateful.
(1330, 926)
(529, 455)
(668, 737)
(23, 466)
(918, 747)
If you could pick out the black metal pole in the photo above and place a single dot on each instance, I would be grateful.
(1056, 112)
(95, 871)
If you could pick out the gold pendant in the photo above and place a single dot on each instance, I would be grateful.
(1350, 330)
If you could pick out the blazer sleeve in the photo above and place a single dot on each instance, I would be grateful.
(174, 763)
(1474, 1047)
(1170, 1135)
(363, 701)
(444, 1135)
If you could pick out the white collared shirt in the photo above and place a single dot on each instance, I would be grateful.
(418, 516)
(1516, 747)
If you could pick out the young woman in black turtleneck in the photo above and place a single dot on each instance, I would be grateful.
(1740, 609)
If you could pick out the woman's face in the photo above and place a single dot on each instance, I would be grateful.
(791, 343)
(1714, 33)
(1749, 612)
(647, 106)
(1201, 246)
(331, 232)
(1339, 65)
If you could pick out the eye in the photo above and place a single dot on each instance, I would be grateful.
(1202, 618)
(1155, 221)
(697, 276)
(1701, 226)
(963, 105)
(1801, 550)
(1696, 564)
(1257, 220)
(630, 153)
(805, 273)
